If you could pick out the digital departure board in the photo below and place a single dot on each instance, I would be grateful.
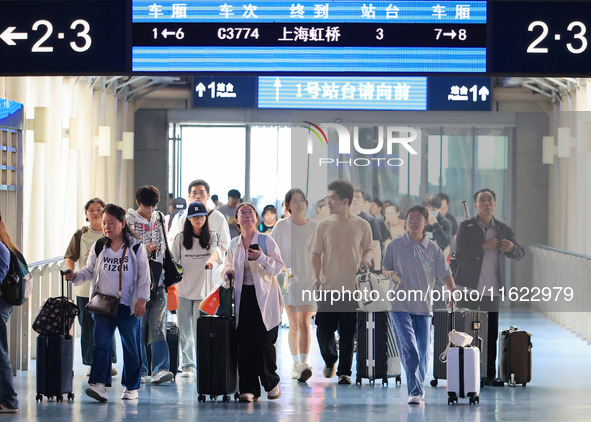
(291, 38)
(309, 36)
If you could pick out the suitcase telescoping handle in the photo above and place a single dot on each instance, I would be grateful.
(230, 278)
(65, 305)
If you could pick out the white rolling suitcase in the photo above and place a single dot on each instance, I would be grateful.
(463, 374)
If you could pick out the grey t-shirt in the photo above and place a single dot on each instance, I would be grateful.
(230, 214)
(418, 265)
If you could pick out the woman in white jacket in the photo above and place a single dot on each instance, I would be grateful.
(258, 305)
(195, 248)
(117, 256)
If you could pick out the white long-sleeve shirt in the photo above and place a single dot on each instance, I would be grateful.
(104, 271)
(264, 270)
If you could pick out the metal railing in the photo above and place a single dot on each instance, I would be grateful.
(22, 340)
(553, 268)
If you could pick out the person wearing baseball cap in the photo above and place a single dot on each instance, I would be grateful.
(194, 248)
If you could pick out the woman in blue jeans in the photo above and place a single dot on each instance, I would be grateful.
(118, 266)
(77, 252)
(414, 262)
(8, 400)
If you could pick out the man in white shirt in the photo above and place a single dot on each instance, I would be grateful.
(199, 192)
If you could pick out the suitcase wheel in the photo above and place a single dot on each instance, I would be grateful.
(385, 381)
(59, 398)
(201, 398)
(39, 397)
(524, 384)
(372, 382)
(452, 399)
(226, 398)
(399, 380)
(70, 396)
(212, 397)
(474, 400)
(358, 381)
(433, 382)
(236, 396)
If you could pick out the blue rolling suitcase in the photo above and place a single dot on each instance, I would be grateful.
(55, 359)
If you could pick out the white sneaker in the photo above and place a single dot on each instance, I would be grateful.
(414, 400)
(423, 395)
(246, 397)
(305, 373)
(188, 373)
(275, 393)
(295, 371)
(161, 377)
(129, 394)
(97, 391)
(144, 379)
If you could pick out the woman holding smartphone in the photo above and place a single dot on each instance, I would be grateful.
(254, 261)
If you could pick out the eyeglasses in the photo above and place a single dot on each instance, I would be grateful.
(417, 218)
(246, 213)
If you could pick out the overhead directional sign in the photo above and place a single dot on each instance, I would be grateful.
(352, 93)
(459, 94)
(374, 93)
(224, 91)
(64, 37)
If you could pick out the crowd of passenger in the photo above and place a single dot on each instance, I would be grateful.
(273, 259)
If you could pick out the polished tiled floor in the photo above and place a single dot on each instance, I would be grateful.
(559, 391)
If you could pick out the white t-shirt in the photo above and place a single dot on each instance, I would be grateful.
(293, 241)
(86, 242)
(109, 274)
(193, 285)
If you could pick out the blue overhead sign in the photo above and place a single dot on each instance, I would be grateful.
(346, 93)
(459, 94)
(224, 91)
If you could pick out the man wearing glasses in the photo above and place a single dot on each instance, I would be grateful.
(482, 244)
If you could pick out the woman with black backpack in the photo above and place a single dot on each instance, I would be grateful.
(118, 266)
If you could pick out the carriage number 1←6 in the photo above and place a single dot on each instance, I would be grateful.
(579, 46)
(238, 33)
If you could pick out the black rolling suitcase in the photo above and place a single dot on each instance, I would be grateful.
(515, 357)
(55, 354)
(377, 355)
(172, 339)
(468, 321)
(217, 357)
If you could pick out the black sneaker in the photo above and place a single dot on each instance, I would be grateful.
(344, 380)
(494, 382)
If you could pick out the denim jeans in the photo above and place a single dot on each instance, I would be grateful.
(129, 329)
(154, 335)
(87, 333)
(6, 382)
(413, 335)
(188, 313)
